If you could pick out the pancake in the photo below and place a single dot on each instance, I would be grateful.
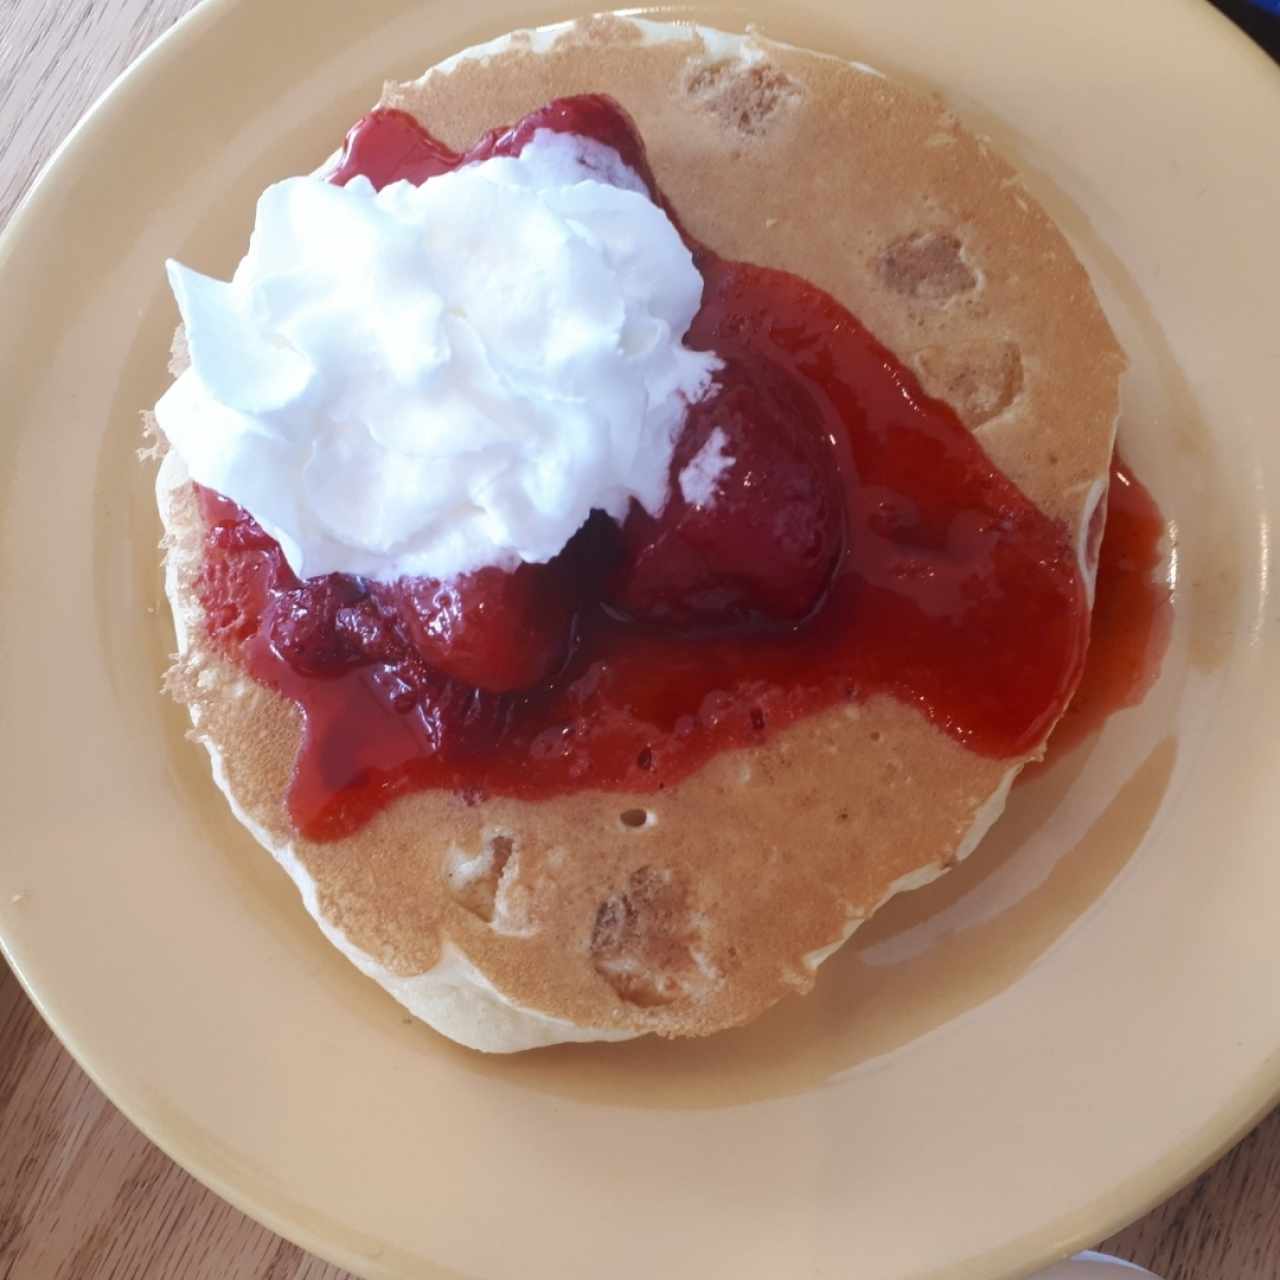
(600, 915)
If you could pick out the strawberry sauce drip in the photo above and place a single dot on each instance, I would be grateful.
(940, 583)
(1132, 616)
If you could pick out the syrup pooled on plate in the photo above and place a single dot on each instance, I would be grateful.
(909, 566)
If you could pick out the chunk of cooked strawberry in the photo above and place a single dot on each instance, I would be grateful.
(594, 116)
(326, 625)
(755, 521)
(492, 629)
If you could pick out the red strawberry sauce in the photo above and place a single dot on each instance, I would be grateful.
(1132, 617)
(931, 578)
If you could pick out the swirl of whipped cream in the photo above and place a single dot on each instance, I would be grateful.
(429, 380)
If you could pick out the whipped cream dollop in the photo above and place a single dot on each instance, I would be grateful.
(427, 380)
(700, 479)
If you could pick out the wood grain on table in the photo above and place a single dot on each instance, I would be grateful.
(83, 1195)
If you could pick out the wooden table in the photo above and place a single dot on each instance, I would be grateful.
(83, 1195)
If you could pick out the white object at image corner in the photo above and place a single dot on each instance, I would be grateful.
(1094, 1266)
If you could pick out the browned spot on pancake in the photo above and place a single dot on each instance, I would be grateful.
(643, 938)
(744, 97)
(474, 882)
(927, 265)
(979, 379)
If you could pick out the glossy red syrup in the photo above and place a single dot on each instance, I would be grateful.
(950, 590)
(1132, 616)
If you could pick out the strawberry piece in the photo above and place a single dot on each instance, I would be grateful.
(755, 522)
(326, 625)
(587, 115)
(491, 629)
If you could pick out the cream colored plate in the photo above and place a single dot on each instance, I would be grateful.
(1000, 1068)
